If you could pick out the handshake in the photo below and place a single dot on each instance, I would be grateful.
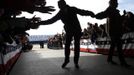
(36, 22)
(92, 14)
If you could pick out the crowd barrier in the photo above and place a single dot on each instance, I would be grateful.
(85, 46)
(128, 47)
(8, 57)
(102, 45)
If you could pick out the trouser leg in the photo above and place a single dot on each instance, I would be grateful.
(67, 47)
(76, 48)
(120, 51)
(111, 50)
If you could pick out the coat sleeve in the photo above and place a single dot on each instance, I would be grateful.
(103, 14)
(50, 21)
(83, 12)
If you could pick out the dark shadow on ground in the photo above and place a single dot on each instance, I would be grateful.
(31, 63)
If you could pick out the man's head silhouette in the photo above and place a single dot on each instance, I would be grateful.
(61, 4)
(113, 3)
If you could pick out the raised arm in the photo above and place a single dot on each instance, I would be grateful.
(83, 12)
(103, 14)
(50, 21)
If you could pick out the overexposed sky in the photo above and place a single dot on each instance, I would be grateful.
(92, 5)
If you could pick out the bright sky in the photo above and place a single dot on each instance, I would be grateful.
(93, 5)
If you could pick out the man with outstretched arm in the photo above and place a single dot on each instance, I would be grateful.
(114, 22)
(68, 15)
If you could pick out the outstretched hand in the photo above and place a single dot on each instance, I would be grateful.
(50, 9)
(92, 14)
(34, 26)
(34, 22)
(46, 9)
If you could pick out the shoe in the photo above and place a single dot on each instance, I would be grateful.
(77, 66)
(112, 62)
(64, 64)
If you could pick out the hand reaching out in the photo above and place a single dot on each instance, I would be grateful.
(92, 14)
(46, 9)
(34, 22)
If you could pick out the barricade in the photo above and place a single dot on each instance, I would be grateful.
(128, 45)
(8, 57)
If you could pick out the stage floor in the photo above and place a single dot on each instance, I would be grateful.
(48, 62)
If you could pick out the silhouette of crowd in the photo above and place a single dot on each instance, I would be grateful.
(94, 31)
(13, 28)
(55, 42)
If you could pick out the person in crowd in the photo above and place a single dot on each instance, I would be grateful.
(114, 22)
(85, 34)
(41, 44)
(68, 15)
(103, 29)
(90, 29)
(94, 34)
(97, 30)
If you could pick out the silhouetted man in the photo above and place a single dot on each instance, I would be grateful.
(68, 15)
(114, 21)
